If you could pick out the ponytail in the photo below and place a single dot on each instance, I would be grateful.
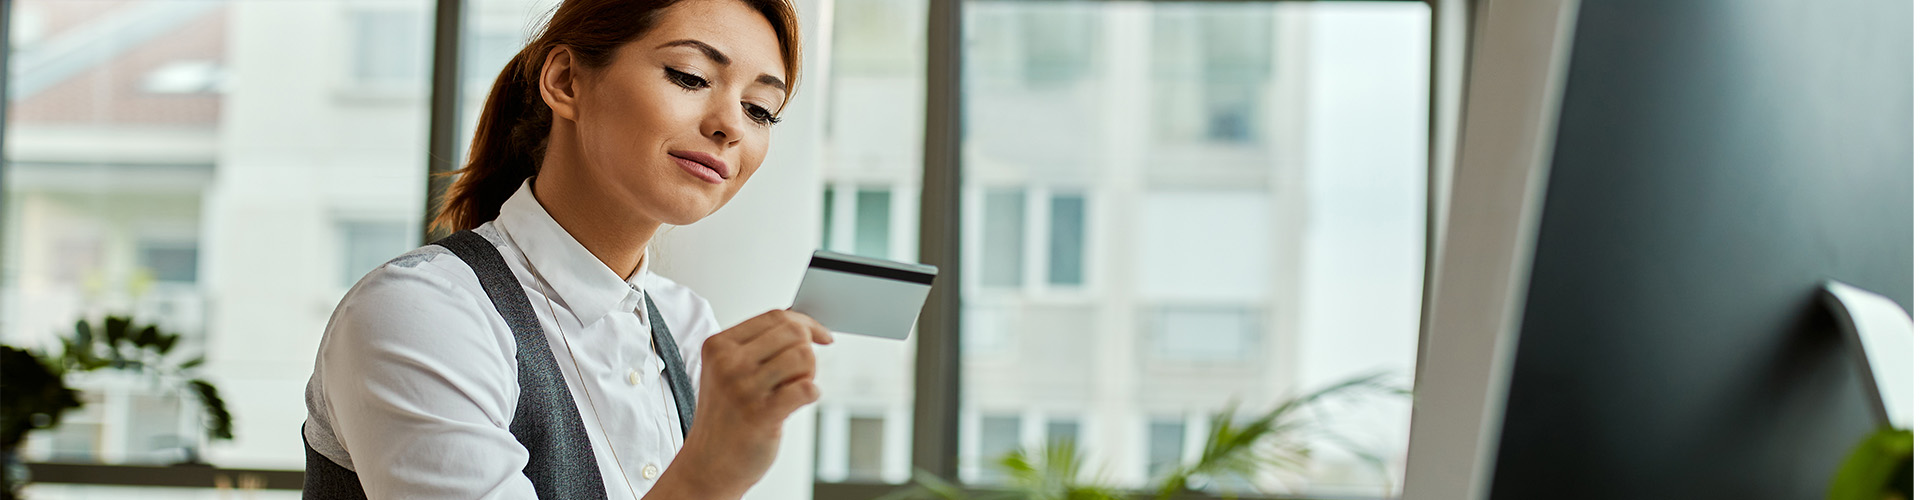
(511, 138)
(507, 147)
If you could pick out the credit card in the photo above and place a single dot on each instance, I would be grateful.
(864, 295)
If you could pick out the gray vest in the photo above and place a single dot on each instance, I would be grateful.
(545, 420)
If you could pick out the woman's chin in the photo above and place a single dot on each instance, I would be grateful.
(689, 212)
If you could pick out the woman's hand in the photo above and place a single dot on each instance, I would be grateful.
(753, 375)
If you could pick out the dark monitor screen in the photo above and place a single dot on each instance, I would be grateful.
(1715, 162)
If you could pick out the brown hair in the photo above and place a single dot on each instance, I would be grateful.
(511, 138)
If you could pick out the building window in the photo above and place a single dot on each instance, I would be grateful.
(1058, 42)
(866, 437)
(171, 262)
(1032, 238)
(1166, 440)
(1003, 242)
(859, 221)
(1211, 67)
(1067, 240)
(1209, 333)
(368, 244)
(872, 234)
(1063, 430)
(389, 46)
(999, 436)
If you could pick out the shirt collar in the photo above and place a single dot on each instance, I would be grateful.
(579, 280)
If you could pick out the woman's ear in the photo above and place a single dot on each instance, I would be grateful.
(557, 82)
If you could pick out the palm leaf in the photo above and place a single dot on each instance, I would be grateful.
(1272, 442)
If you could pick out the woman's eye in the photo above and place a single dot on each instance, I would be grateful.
(760, 115)
(686, 80)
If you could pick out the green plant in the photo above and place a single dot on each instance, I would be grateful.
(32, 396)
(1275, 441)
(1051, 474)
(120, 345)
(1880, 468)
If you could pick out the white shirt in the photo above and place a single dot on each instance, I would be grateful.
(416, 382)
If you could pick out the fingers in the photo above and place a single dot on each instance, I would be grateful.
(790, 397)
(787, 367)
(753, 327)
(775, 320)
(795, 331)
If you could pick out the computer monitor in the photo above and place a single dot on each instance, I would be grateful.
(1648, 198)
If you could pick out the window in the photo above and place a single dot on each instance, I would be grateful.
(1066, 240)
(1032, 238)
(163, 157)
(1225, 200)
(1224, 203)
(368, 244)
(865, 437)
(1003, 244)
(1166, 440)
(999, 435)
(1063, 430)
(171, 261)
(388, 46)
(1204, 334)
(869, 226)
(1212, 67)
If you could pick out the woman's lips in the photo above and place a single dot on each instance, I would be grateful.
(701, 165)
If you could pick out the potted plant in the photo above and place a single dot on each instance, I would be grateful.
(36, 393)
(118, 345)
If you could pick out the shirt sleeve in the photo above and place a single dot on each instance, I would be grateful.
(421, 385)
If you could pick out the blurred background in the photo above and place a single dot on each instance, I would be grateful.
(1167, 208)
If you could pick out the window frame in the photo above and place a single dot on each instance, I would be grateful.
(936, 413)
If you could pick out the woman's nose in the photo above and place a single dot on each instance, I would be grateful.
(724, 124)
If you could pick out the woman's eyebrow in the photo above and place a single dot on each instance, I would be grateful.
(712, 53)
(721, 58)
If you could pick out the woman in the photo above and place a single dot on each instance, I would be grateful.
(532, 354)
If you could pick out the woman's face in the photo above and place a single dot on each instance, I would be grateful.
(680, 118)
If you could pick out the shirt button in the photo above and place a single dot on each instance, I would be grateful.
(649, 472)
(633, 377)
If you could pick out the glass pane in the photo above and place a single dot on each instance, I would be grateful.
(871, 162)
(873, 228)
(192, 165)
(1203, 333)
(1165, 441)
(370, 244)
(1066, 240)
(1003, 239)
(865, 448)
(1063, 430)
(1174, 206)
(999, 435)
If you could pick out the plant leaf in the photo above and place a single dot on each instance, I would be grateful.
(83, 334)
(116, 334)
(166, 343)
(148, 337)
(219, 421)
